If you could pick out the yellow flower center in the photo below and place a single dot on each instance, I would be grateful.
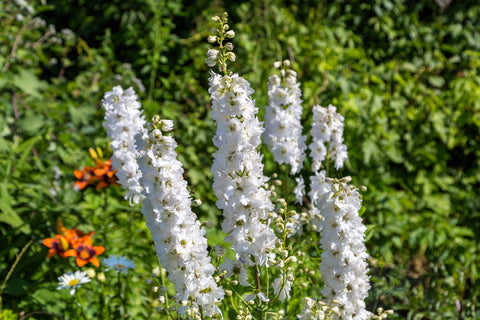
(121, 266)
(73, 282)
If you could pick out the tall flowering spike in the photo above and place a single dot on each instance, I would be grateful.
(238, 169)
(344, 267)
(220, 36)
(123, 120)
(283, 129)
(179, 241)
(327, 128)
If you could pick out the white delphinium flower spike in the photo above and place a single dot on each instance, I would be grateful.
(344, 267)
(123, 120)
(179, 241)
(283, 129)
(72, 281)
(237, 167)
(327, 127)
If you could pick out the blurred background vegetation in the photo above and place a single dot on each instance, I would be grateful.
(405, 74)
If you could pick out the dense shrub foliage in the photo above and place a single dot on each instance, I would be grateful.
(404, 74)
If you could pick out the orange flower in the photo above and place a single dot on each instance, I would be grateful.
(75, 235)
(105, 174)
(74, 243)
(85, 252)
(84, 177)
(59, 245)
(102, 173)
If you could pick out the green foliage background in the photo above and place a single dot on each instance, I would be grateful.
(405, 74)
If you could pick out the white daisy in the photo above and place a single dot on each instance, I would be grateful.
(120, 263)
(72, 281)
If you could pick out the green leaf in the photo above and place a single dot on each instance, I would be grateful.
(9, 216)
(27, 81)
(436, 81)
(31, 123)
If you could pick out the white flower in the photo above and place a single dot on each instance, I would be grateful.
(120, 263)
(123, 120)
(179, 241)
(238, 171)
(317, 310)
(72, 281)
(212, 57)
(167, 125)
(235, 267)
(344, 267)
(282, 286)
(327, 127)
(283, 129)
(262, 296)
(299, 189)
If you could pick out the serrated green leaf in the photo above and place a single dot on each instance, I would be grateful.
(28, 82)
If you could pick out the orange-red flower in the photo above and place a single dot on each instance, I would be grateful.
(74, 243)
(84, 177)
(85, 252)
(105, 174)
(102, 174)
(59, 245)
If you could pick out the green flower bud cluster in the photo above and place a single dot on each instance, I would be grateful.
(221, 35)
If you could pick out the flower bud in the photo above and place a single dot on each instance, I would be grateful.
(229, 46)
(212, 54)
(91, 273)
(156, 119)
(207, 224)
(166, 125)
(230, 56)
(308, 303)
(210, 62)
(101, 277)
(219, 251)
(230, 34)
(212, 39)
(291, 259)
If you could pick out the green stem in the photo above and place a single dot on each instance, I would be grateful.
(105, 311)
(257, 278)
(155, 54)
(82, 306)
(202, 315)
(9, 274)
(167, 308)
(123, 296)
